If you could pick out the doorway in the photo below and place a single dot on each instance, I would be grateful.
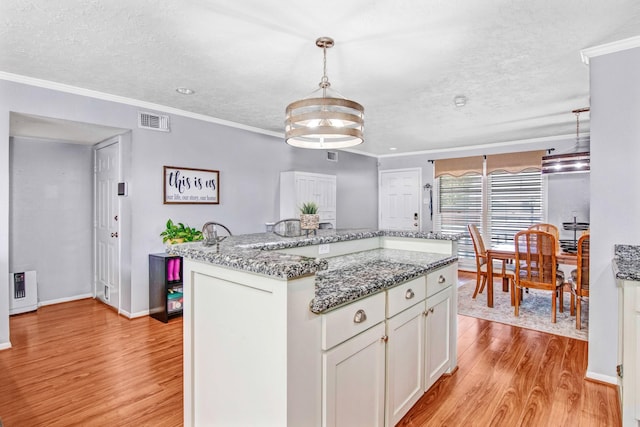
(399, 194)
(107, 215)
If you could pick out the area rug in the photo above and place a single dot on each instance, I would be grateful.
(535, 311)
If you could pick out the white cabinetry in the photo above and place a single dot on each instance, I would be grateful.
(420, 346)
(353, 364)
(297, 188)
(630, 351)
(438, 330)
(405, 361)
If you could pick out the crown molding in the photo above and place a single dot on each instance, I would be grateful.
(47, 84)
(603, 49)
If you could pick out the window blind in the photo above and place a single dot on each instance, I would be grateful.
(460, 203)
(515, 203)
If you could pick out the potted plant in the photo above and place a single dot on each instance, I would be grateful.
(309, 218)
(179, 233)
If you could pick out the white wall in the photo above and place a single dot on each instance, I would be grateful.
(568, 194)
(51, 199)
(615, 201)
(249, 165)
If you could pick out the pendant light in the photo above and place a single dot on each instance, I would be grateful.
(577, 161)
(327, 121)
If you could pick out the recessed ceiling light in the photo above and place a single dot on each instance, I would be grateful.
(460, 101)
(185, 91)
(392, 148)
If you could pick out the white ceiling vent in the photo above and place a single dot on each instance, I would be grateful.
(153, 121)
(332, 156)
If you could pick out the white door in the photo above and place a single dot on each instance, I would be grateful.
(438, 331)
(353, 381)
(107, 249)
(399, 196)
(405, 361)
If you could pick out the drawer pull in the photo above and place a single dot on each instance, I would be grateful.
(441, 279)
(426, 312)
(360, 316)
(409, 294)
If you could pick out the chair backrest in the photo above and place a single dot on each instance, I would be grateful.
(549, 228)
(478, 245)
(212, 230)
(535, 252)
(289, 227)
(582, 279)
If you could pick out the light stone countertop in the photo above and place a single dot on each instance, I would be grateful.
(626, 262)
(340, 279)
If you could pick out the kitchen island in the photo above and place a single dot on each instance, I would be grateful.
(316, 330)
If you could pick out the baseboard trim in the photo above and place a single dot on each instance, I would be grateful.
(602, 379)
(5, 345)
(66, 299)
(134, 315)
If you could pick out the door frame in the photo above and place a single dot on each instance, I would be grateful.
(418, 171)
(124, 222)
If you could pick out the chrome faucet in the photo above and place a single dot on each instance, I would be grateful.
(209, 239)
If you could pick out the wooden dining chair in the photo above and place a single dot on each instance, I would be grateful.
(549, 228)
(580, 279)
(536, 266)
(500, 268)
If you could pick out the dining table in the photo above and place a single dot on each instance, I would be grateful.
(506, 252)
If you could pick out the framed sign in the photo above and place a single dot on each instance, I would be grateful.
(191, 186)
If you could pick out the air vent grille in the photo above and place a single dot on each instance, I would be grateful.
(332, 156)
(153, 121)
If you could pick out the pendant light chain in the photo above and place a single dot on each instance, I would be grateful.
(324, 83)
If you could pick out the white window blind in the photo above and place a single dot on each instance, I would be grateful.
(460, 203)
(511, 202)
(515, 203)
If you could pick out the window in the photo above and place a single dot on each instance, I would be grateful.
(460, 203)
(508, 203)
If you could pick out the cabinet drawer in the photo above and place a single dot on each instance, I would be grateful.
(346, 322)
(404, 296)
(441, 279)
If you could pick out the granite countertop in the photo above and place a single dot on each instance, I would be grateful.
(257, 253)
(340, 279)
(351, 277)
(626, 262)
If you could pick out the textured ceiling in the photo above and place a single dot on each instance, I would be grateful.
(517, 62)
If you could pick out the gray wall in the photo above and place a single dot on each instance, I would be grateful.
(568, 194)
(51, 203)
(249, 165)
(615, 205)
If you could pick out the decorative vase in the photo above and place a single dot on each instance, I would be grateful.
(309, 221)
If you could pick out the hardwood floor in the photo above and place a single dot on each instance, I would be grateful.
(79, 363)
(509, 376)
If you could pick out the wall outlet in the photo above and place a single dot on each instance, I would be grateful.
(324, 249)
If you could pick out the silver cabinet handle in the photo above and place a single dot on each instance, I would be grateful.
(426, 312)
(409, 294)
(360, 316)
(441, 279)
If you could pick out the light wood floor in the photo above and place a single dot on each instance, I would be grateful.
(79, 363)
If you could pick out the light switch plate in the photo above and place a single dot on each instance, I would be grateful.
(324, 249)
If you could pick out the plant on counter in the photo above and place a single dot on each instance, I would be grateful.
(309, 208)
(178, 233)
(309, 218)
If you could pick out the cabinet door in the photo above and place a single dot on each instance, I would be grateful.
(353, 381)
(405, 361)
(438, 333)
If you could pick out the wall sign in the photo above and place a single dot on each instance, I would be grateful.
(191, 186)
